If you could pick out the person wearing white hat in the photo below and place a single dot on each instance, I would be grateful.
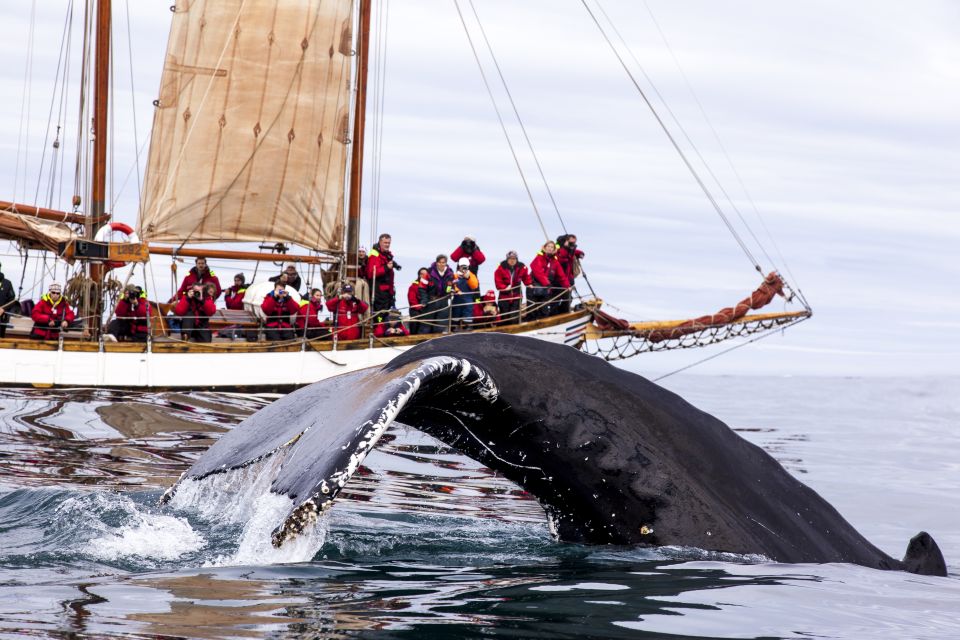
(466, 289)
(51, 315)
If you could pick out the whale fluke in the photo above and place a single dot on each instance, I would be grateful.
(612, 457)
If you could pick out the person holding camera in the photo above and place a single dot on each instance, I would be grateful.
(292, 279)
(391, 326)
(310, 322)
(466, 289)
(569, 256)
(280, 310)
(51, 315)
(130, 322)
(380, 268)
(549, 281)
(195, 308)
(468, 249)
(347, 312)
(199, 274)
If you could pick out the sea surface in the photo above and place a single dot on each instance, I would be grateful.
(427, 543)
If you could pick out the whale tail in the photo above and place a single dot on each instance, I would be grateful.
(924, 557)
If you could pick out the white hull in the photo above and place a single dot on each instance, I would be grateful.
(156, 369)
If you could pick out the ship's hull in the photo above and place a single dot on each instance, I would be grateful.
(226, 366)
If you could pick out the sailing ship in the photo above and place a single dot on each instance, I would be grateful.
(258, 137)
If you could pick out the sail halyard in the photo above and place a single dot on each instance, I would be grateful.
(251, 130)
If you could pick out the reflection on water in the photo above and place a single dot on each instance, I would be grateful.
(427, 543)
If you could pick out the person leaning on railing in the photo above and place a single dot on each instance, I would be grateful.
(347, 311)
(51, 315)
(508, 277)
(438, 294)
(194, 308)
(549, 282)
(418, 296)
(310, 322)
(280, 309)
(131, 312)
(391, 326)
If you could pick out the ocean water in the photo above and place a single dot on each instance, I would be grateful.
(426, 543)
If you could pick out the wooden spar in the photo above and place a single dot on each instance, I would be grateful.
(50, 214)
(359, 125)
(595, 333)
(221, 254)
(93, 309)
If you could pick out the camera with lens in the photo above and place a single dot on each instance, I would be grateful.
(396, 267)
(468, 245)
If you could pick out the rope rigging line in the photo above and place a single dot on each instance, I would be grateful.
(686, 135)
(516, 113)
(23, 141)
(723, 150)
(673, 141)
(62, 62)
(503, 126)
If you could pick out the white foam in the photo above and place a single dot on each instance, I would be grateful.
(243, 496)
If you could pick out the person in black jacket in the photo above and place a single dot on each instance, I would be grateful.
(7, 300)
(293, 277)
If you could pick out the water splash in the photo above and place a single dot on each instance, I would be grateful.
(243, 497)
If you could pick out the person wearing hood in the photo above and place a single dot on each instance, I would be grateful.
(466, 289)
(418, 297)
(507, 278)
(549, 281)
(7, 299)
(234, 295)
(199, 274)
(468, 249)
(130, 322)
(310, 322)
(347, 312)
(51, 315)
(437, 312)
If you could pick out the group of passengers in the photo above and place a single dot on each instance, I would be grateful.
(443, 297)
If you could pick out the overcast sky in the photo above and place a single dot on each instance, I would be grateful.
(841, 119)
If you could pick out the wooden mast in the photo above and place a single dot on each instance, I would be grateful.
(98, 188)
(359, 122)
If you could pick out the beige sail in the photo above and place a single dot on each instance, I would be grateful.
(251, 131)
(34, 232)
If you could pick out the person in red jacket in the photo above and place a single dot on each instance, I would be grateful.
(485, 311)
(234, 295)
(195, 308)
(380, 268)
(468, 249)
(130, 322)
(569, 256)
(391, 326)
(549, 282)
(507, 278)
(347, 311)
(51, 315)
(199, 274)
(280, 310)
(310, 323)
(417, 297)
